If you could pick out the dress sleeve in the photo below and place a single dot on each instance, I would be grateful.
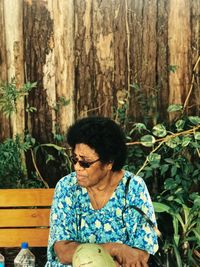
(62, 216)
(140, 233)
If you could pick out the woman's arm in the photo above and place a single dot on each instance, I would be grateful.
(123, 254)
(62, 219)
(64, 250)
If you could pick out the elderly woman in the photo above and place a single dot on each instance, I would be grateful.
(100, 202)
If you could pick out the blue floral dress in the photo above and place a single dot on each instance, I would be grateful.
(74, 218)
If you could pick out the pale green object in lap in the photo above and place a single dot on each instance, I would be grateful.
(92, 255)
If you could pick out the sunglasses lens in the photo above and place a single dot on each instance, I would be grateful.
(83, 164)
(73, 160)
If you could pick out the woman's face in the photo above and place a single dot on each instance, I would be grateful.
(96, 174)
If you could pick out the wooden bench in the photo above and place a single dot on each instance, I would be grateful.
(24, 216)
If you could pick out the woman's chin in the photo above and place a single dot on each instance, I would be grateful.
(82, 182)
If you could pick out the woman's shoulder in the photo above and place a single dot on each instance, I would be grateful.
(67, 181)
(132, 177)
(133, 181)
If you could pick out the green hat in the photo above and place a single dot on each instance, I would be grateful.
(92, 255)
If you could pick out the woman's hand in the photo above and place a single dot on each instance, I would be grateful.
(64, 250)
(130, 257)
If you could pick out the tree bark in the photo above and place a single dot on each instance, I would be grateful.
(13, 15)
(179, 39)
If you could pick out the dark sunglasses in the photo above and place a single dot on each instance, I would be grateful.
(82, 163)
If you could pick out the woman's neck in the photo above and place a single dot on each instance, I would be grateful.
(102, 192)
(111, 180)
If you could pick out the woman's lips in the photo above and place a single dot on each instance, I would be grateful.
(80, 177)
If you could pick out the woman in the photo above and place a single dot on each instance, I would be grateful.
(100, 202)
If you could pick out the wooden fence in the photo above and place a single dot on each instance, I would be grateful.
(94, 56)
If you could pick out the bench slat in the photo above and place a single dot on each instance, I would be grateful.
(14, 214)
(13, 238)
(24, 217)
(25, 197)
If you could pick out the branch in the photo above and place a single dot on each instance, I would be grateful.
(146, 160)
(168, 136)
(192, 83)
(37, 171)
(163, 140)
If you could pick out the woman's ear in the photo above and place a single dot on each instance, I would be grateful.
(110, 165)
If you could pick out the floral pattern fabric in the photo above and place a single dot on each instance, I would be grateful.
(74, 218)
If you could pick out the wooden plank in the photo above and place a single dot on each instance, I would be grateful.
(142, 23)
(64, 19)
(25, 197)
(24, 217)
(13, 16)
(5, 125)
(86, 59)
(162, 58)
(195, 48)
(38, 34)
(37, 237)
(179, 42)
(103, 41)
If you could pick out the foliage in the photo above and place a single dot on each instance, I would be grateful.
(12, 169)
(10, 94)
(167, 157)
(184, 242)
(50, 160)
(62, 102)
(18, 155)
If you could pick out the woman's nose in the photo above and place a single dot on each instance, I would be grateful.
(77, 167)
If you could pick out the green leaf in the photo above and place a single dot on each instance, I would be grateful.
(164, 168)
(197, 201)
(197, 135)
(170, 198)
(50, 158)
(160, 207)
(179, 218)
(180, 125)
(176, 239)
(194, 119)
(186, 140)
(173, 170)
(178, 257)
(154, 158)
(59, 148)
(147, 140)
(170, 161)
(173, 68)
(139, 127)
(135, 86)
(170, 184)
(28, 86)
(173, 108)
(173, 142)
(177, 199)
(197, 234)
(159, 130)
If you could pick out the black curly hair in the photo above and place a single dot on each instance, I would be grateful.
(103, 135)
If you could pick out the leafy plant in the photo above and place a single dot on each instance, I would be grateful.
(62, 102)
(184, 242)
(10, 94)
(12, 168)
(50, 161)
(167, 157)
(41, 160)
